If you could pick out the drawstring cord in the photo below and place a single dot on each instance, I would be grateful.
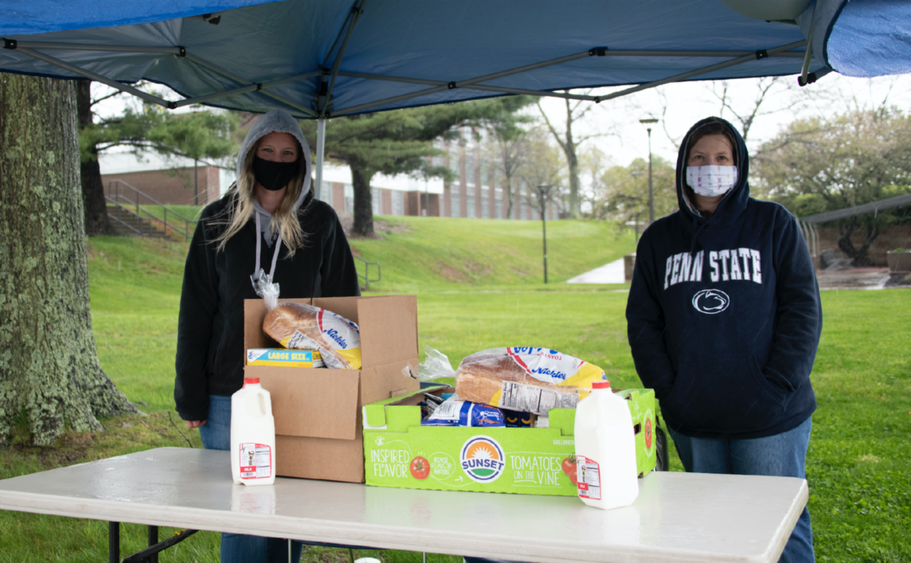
(259, 241)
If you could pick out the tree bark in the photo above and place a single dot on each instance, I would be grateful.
(569, 148)
(49, 370)
(858, 255)
(97, 221)
(509, 197)
(363, 199)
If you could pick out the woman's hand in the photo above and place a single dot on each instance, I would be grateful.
(195, 423)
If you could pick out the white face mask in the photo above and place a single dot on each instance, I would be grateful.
(711, 180)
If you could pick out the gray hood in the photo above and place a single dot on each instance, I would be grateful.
(276, 121)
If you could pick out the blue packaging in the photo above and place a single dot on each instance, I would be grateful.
(454, 412)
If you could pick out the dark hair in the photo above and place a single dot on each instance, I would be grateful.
(712, 126)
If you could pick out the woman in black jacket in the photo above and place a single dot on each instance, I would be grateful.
(267, 223)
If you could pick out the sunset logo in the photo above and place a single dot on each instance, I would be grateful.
(482, 459)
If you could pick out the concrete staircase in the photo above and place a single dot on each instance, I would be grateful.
(127, 223)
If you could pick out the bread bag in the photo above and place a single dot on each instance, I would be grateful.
(525, 379)
(305, 327)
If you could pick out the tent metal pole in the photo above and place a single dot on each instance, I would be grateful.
(463, 83)
(248, 88)
(539, 93)
(704, 70)
(96, 77)
(403, 79)
(112, 48)
(526, 68)
(647, 53)
(392, 100)
(320, 153)
(239, 80)
(201, 99)
(356, 12)
(802, 79)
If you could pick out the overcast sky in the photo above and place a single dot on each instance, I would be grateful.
(625, 139)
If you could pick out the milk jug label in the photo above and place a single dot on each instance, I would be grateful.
(255, 461)
(589, 476)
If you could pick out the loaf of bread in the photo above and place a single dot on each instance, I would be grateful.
(305, 327)
(507, 378)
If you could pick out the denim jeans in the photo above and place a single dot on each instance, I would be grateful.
(239, 548)
(781, 455)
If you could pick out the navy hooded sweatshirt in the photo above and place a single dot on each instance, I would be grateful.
(723, 315)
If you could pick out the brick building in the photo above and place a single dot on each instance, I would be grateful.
(477, 192)
(177, 181)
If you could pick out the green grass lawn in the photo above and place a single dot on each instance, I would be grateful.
(857, 465)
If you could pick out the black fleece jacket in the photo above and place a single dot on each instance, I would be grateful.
(210, 329)
(724, 316)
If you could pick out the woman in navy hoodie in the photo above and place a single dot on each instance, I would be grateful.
(724, 321)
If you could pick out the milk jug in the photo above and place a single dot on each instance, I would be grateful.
(605, 450)
(252, 435)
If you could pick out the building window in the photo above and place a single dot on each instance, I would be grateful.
(454, 158)
(469, 166)
(437, 160)
(349, 198)
(469, 202)
(483, 165)
(498, 202)
(485, 202)
(398, 204)
(375, 201)
(325, 192)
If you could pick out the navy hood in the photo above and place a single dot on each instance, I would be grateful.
(734, 203)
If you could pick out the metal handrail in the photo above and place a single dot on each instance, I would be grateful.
(366, 275)
(121, 221)
(117, 196)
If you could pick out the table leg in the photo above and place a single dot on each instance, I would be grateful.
(153, 539)
(114, 542)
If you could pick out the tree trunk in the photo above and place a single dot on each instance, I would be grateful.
(363, 200)
(569, 147)
(49, 370)
(97, 221)
(858, 255)
(509, 197)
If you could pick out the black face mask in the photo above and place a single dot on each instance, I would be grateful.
(274, 175)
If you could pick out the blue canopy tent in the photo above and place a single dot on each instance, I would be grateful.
(325, 58)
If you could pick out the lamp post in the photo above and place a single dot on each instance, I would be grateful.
(543, 192)
(648, 121)
(635, 174)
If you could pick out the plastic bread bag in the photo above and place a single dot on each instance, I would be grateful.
(525, 379)
(304, 327)
(263, 286)
(435, 365)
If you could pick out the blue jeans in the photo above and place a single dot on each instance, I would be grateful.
(239, 548)
(781, 455)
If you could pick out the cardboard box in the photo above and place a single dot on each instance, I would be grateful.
(318, 411)
(399, 452)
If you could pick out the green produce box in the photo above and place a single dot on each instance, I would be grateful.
(399, 452)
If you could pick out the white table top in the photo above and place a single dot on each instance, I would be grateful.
(677, 517)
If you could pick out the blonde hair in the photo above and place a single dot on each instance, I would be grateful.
(241, 197)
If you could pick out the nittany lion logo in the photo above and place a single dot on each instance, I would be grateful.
(482, 459)
(711, 301)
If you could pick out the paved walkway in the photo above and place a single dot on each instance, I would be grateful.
(609, 273)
